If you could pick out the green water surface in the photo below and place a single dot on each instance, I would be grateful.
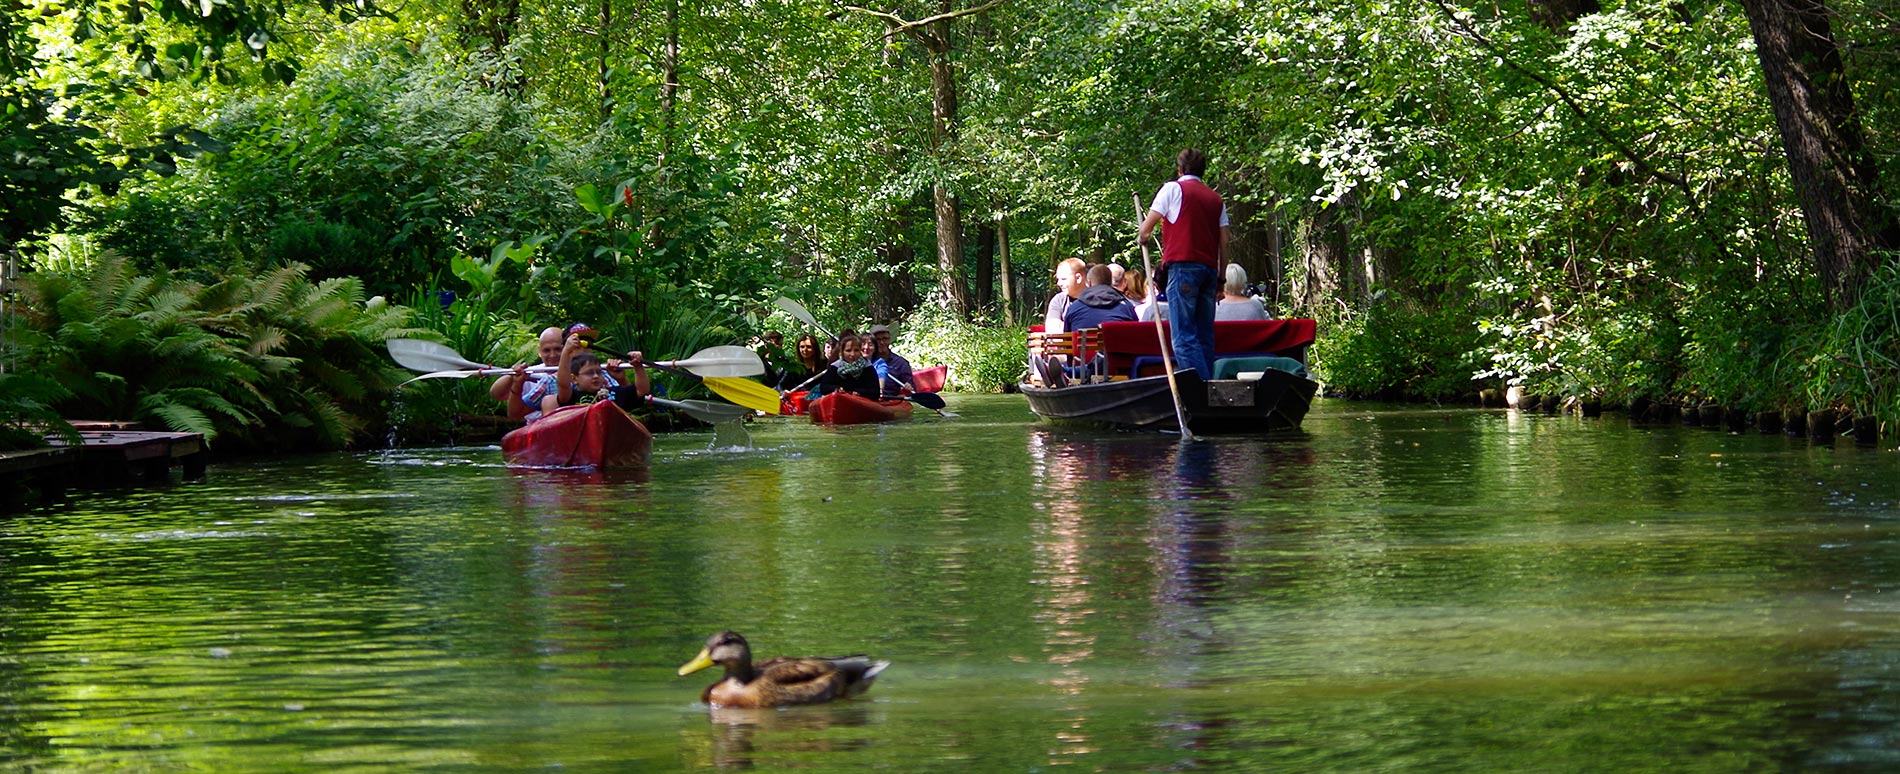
(1395, 589)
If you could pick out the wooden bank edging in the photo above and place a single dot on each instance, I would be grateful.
(108, 454)
(1819, 425)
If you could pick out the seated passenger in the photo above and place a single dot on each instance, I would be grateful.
(806, 365)
(851, 373)
(1069, 279)
(1234, 303)
(521, 390)
(583, 378)
(895, 375)
(1099, 303)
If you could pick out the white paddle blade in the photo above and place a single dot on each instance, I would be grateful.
(801, 314)
(721, 361)
(419, 355)
(704, 411)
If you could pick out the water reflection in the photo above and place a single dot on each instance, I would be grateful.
(1397, 588)
(777, 738)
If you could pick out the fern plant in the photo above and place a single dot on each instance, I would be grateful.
(272, 360)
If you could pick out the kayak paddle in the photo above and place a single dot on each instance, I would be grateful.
(929, 400)
(800, 313)
(444, 363)
(703, 410)
(744, 392)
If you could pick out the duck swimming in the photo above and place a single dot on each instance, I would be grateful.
(778, 682)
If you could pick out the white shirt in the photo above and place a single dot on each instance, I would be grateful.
(1168, 201)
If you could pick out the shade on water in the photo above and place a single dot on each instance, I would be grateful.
(1394, 589)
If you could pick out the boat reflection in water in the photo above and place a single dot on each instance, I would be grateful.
(1090, 486)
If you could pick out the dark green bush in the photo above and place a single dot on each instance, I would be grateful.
(1397, 348)
(982, 357)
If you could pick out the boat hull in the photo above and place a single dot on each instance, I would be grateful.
(595, 435)
(1276, 401)
(930, 379)
(843, 408)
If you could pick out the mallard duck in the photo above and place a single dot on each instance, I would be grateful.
(780, 681)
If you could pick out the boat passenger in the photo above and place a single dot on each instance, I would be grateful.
(805, 365)
(851, 372)
(583, 377)
(895, 376)
(1100, 303)
(514, 390)
(1137, 287)
(771, 348)
(1069, 283)
(1234, 303)
(1118, 277)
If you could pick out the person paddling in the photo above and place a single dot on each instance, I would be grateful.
(1193, 248)
(512, 389)
(896, 374)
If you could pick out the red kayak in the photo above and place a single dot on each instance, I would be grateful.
(929, 379)
(794, 404)
(843, 408)
(593, 435)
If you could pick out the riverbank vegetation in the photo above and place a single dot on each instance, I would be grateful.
(1620, 201)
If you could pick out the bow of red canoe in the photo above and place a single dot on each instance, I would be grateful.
(843, 408)
(596, 435)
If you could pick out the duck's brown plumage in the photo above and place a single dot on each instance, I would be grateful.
(779, 681)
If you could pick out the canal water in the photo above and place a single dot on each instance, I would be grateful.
(1395, 589)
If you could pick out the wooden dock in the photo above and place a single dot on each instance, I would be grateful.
(108, 454)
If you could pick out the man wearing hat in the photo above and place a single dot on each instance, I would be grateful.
(895, 373)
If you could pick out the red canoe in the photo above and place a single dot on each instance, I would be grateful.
(929, 379)
(794, 403)
(843, 408)
(594, 435)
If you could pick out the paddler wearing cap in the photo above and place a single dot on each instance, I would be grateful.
(895, 373)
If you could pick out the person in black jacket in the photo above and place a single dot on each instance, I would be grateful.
(851, 372)
(1099, 303)
(806, 365)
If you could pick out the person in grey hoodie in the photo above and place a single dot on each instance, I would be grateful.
(1100, 302)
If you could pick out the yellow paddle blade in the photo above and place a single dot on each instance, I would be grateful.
(744, 392)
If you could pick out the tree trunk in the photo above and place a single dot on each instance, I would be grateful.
(943, 134)
(985, 269)
(1821, 134)
(670, 75)
(1558, 15)
(606, 57)
(1326, 275)
(893, 289)
(1009, 279)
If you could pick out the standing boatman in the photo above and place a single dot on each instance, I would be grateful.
(1194, 246)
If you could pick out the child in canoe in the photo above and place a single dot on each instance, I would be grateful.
(851, 372)
(583, 378)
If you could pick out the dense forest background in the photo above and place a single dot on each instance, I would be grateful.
(1681, 201)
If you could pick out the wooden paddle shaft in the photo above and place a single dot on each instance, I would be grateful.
(1161, 335)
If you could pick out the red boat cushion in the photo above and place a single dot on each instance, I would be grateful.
(1127, 341)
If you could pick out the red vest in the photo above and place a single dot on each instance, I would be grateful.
(1195, 235)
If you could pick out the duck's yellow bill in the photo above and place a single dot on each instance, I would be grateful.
(703, 660)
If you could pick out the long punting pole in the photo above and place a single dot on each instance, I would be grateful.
(1161, 334)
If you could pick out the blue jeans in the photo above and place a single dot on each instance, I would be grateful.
(1192, 292)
